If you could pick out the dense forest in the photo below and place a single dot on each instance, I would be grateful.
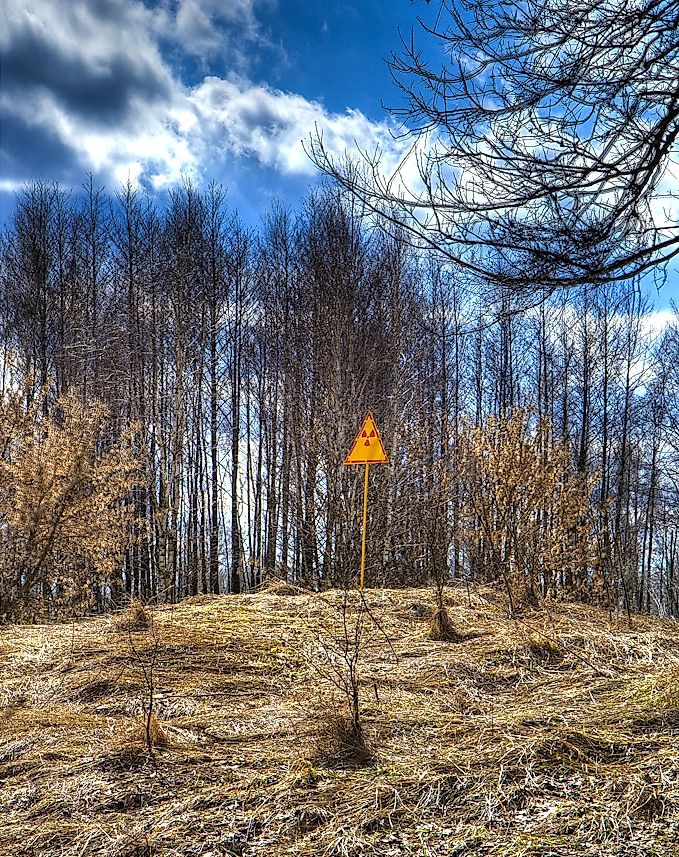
(179, 392)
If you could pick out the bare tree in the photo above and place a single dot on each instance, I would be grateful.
(246, 364)
(540, 142)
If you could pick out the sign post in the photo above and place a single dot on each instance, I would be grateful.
(367, 450)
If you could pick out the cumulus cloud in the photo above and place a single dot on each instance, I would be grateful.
(655, 323)
(86, 87)
(93, 58)
(270, 125)
(204, 13)
(78, 79)
(226, 31)
(195, 28)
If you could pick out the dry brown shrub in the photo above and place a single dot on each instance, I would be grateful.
(64, 476)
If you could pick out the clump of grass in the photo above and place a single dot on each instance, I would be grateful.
(151, 732)
(645, 801)
(285, 589)
(135, 746)
(125, 755)
(304, 774)
(417, 610)
(139, 848)
(95, 690)
(572, 749)
(341, 743)
(541, 648)
(464, 702)
(654, 702)
(136, 618)
(441, 628)
(279, 585)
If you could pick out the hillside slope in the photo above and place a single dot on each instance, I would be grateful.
(555, 734)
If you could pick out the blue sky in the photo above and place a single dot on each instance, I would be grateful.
(211, 89)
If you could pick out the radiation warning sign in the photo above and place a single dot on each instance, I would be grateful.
(367, 448)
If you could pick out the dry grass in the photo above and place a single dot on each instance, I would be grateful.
(550, 735)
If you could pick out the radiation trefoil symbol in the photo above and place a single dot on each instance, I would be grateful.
(367, 448)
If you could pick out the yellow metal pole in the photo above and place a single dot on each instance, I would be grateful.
(365, 520)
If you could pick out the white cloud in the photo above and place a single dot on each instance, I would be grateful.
(240, 12)
(106, 37)
(117, 108)
(654, 324)
(206, 28)
(270, 125)
(195, 28)
(665, 203)
(91, 76)
(10, 186)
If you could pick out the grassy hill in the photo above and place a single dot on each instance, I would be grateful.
(554, 734)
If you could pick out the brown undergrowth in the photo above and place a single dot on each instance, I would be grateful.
(549, 734)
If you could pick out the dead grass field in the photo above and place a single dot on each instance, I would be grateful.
(557, 734)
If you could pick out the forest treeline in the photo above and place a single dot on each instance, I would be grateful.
(179, 393)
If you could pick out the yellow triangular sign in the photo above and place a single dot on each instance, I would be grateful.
(367, 448)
